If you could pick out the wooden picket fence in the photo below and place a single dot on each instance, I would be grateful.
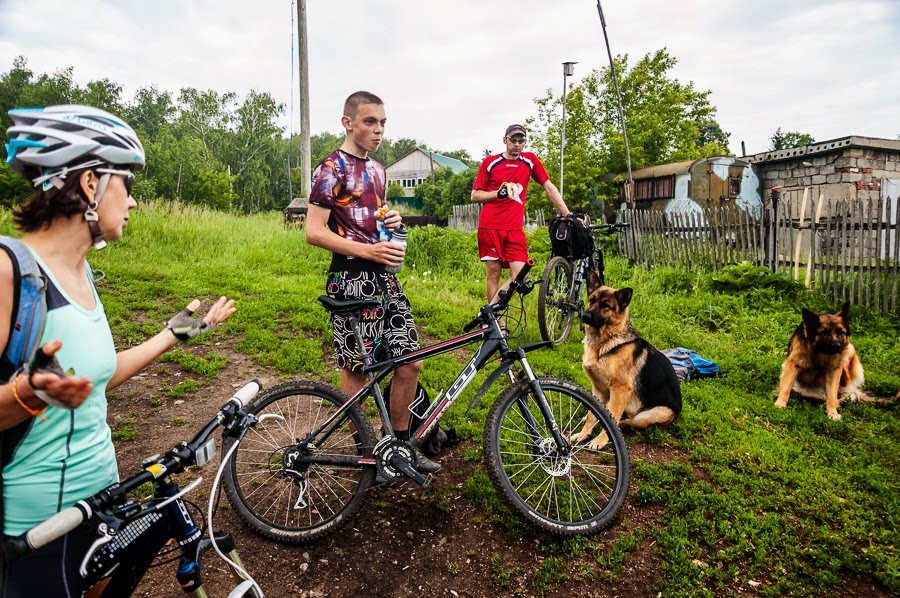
(849, 249)
(465, 218)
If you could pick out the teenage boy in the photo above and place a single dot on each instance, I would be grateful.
(348, 188)
(501, 185)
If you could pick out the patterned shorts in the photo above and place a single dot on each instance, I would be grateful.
(389, 329)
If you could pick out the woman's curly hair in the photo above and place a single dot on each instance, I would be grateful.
(43, 207)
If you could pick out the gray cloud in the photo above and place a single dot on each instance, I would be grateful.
(455, 74)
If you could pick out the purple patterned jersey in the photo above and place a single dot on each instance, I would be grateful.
(352, 188)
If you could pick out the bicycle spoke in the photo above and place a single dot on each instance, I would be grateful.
(275, 481)
(562, 489)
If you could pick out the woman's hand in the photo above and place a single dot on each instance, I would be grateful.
(185, 327)
(67, 392)
(220, 311)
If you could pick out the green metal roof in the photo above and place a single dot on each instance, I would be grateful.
(439, 159)
(456, 165)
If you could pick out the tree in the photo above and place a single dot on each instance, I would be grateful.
(391, 151)
(789, 139)
(150, 111)
(666, 121)
(395, 189)
(461, 155)
(320, 145)
(103, 94)
(447, 190)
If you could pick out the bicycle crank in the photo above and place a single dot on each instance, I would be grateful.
(396, 460)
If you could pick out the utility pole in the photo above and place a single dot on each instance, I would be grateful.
(305, 165)
(568, 71)
(629, 184)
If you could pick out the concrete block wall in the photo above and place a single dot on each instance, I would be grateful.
(847, 173)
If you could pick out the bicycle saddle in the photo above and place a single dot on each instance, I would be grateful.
(341, 305)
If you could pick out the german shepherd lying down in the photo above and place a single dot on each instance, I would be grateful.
(822, 363)
(627, 374)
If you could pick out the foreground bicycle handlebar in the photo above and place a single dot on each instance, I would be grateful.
(111, 508)
(518, 285)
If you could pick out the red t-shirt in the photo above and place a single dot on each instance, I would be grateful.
(509, 213)
(353, 189)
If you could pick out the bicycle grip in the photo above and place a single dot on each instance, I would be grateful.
(524, 271)
(247, 393)
(472, 324)
(44, 533)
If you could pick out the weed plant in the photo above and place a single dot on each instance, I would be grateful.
(786, 499)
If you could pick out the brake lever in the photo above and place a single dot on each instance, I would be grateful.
(526, 288)
(106, 536)
(107, 529)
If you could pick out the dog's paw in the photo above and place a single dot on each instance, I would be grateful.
(578, 437)
(834, 416)
(599, 442)
(781, 404)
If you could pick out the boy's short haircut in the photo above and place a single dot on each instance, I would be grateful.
(360, 97)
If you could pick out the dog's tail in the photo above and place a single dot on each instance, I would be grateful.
(862, 397)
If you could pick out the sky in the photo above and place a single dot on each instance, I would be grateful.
(453, 75)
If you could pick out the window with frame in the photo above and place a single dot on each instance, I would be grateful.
(734, 187)
(665, 187)
(643, 189)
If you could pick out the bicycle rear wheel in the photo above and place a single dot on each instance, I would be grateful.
(555, 315)
(281, 495)
(568, 493)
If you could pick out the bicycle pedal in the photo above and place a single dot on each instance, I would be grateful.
(428, 487)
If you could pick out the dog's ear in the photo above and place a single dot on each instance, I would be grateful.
(844, 314)
(623, 297)
(811, 321)
(593, 282)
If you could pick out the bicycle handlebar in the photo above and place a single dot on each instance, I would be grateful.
(175, 461)
(516, 286)
(611, 228)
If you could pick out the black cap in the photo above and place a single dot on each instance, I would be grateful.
(515, 130)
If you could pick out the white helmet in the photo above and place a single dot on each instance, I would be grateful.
(58, 139)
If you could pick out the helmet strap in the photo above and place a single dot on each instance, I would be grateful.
(90, 215)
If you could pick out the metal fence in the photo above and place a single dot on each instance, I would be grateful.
(849, 249)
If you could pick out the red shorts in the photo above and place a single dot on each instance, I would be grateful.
(504, 245)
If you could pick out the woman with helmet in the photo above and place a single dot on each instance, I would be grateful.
(56, 445)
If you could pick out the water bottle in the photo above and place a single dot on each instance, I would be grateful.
(399, 237)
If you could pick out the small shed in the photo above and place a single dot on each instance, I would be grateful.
(296, 210)
(696, 184)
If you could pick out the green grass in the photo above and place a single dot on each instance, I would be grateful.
(786, 498)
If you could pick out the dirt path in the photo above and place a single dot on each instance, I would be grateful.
(400, 544)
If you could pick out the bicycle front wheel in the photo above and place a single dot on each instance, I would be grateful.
(555, 315)
(577, 491)
(272, 481)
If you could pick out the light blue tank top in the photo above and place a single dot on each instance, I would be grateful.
(71, 455)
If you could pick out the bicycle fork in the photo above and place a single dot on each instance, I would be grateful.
(533, 429)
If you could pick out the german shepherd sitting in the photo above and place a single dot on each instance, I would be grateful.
(627, 374)
(822, 363)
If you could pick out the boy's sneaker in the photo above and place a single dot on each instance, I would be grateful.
(424, 464)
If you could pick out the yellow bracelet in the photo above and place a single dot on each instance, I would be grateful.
(29, 410)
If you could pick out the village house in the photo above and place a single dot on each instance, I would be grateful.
(416, 167)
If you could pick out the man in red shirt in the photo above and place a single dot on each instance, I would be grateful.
(501, 185)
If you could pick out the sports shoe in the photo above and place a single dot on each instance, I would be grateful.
(424, 464)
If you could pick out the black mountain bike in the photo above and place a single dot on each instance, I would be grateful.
(302, 478)
(131, 533)
(562, 286)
